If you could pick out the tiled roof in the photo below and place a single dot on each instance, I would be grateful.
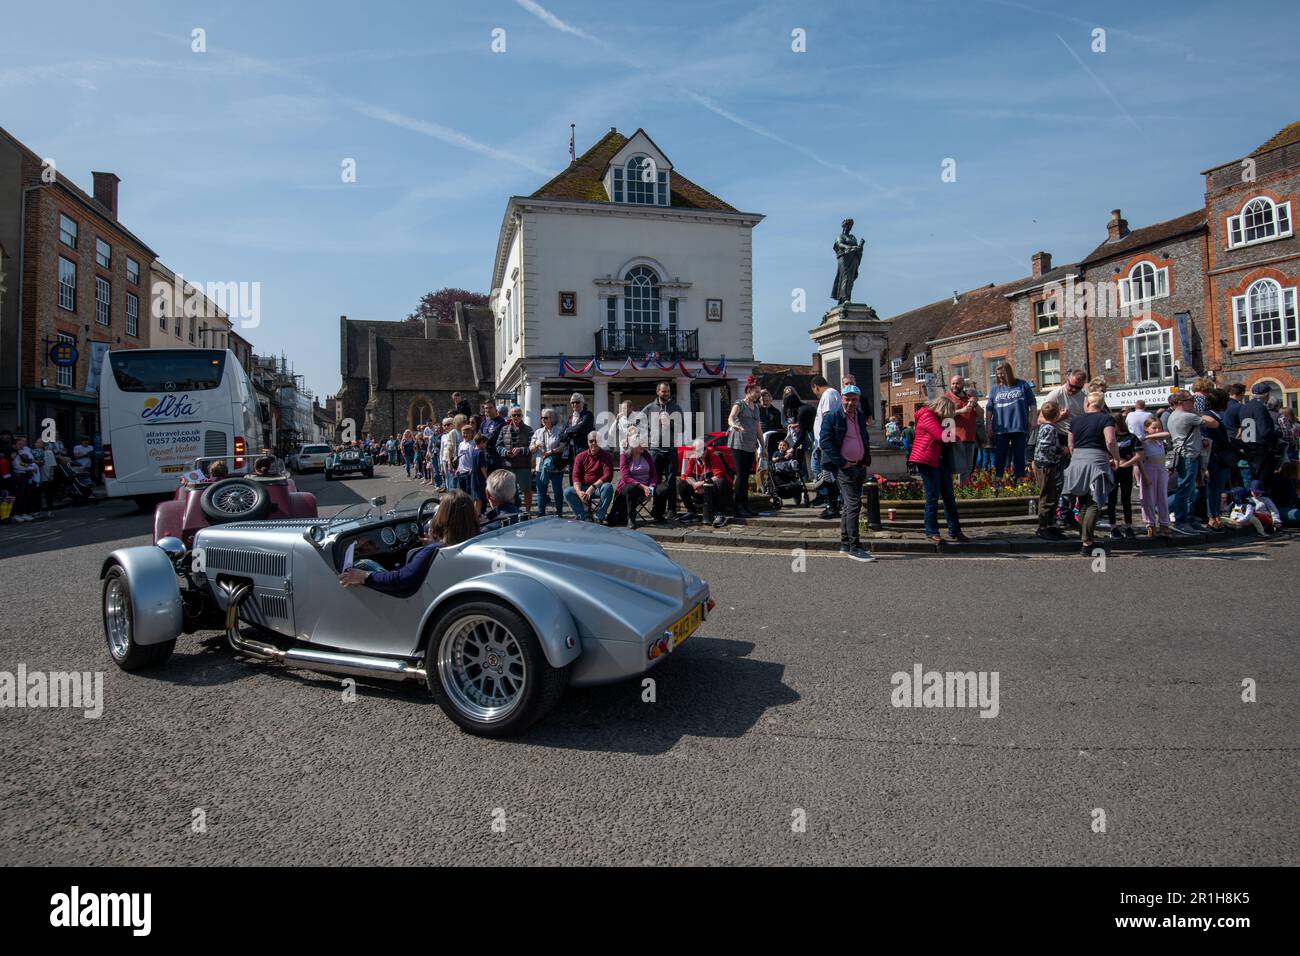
(1148, 235)
(1032, 282)
(989, 306)
(911, 330)
(982, 308)
(1284, 137)
(583, 180)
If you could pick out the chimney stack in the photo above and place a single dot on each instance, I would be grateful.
(1039, 263)
(106, 191)
(1117, 228)
(817, 363)
(955, 297)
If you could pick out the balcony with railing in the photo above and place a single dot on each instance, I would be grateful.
(637, 344)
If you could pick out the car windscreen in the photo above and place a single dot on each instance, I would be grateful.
(167, 370)
(315, 449)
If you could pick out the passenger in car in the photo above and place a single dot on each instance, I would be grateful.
(455, 522)
(501, 489)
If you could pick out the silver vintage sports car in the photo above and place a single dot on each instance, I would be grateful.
(497, 628)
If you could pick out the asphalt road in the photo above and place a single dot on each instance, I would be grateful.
(1118, 691)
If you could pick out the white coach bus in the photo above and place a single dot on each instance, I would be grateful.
(160, 409)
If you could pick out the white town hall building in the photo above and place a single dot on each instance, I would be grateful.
(621, 262)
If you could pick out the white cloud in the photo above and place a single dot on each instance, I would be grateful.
(447, 135)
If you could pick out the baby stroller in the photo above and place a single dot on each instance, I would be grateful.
(781, 479)
(75, 484)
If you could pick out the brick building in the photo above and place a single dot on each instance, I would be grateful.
(1254, 266)
(1214, 291)
(1044, 344)
(84, 283)
(976, 337)
(1147, 319)
(399, 374)
(902, 386)
(182, 316)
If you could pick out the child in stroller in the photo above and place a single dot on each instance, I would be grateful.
(781, 474)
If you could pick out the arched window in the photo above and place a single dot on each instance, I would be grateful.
(640, 181)
(641, 300)
(1260, 219)
(1265, 316)
(1144, 282)
(1149, 354)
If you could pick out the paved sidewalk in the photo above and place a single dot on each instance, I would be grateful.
(796, 527)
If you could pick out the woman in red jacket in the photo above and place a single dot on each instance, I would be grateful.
(932, 456)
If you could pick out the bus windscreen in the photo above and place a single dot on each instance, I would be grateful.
(167, 370)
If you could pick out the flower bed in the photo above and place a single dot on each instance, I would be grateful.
(983, 484)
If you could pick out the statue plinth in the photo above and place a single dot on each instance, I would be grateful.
(850, 339)
(851, 311)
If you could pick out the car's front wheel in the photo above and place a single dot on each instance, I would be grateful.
(487, 671)
(119, 626)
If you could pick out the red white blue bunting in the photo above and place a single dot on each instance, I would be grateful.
(593, 367)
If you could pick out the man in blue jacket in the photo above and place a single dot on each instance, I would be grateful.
(845, 453)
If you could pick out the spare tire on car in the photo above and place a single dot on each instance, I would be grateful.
(235, 499)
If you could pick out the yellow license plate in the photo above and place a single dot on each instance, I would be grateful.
(171, 469)
(687, 625)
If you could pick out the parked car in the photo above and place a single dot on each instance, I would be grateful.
(497, 628)
(308, 458)
(349, 460)
(200, 501)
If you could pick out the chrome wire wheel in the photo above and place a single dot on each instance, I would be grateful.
(481, 667)
(235, 500)
(117, 617)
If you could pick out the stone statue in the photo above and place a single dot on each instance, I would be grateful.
(848, 252)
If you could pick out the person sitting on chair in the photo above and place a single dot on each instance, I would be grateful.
(637, 478)
(218, 470)
(703, 473)
(264, 467)
(592, 490)
(500, 490)
(454, 522)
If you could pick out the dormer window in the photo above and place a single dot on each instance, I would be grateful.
(640, 182)
(1260, 219)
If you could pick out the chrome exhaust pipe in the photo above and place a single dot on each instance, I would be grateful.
(245, 645)
(357, 664)
(332, 662)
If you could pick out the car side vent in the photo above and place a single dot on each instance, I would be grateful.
(214, 443)
(274, 605)
(239, 561)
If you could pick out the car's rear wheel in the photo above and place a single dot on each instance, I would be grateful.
(235, 499)
(487, 671)
(119, 626)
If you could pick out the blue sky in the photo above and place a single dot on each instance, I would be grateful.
(230, 159)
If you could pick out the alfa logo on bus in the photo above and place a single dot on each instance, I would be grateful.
(169, 406)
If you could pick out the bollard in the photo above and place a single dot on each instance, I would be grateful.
(873, 506)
